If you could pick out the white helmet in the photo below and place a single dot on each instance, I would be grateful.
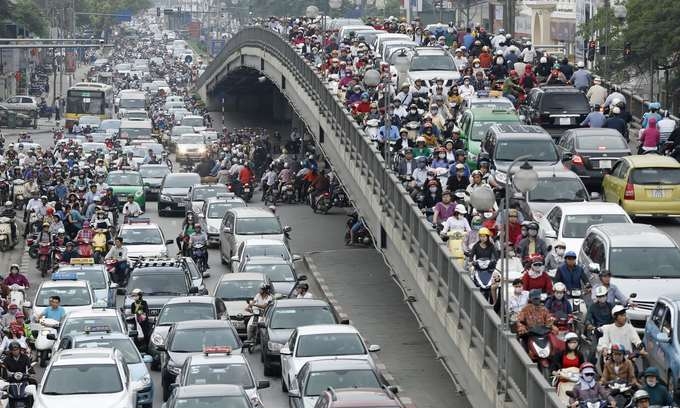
(618, 309)
(137, 291)
(61, 231)
(560, 287)
(460, 209)
(616, 110)
(570, 336)
(601, 291)
(640, 395)
(580, 64)
(9, 204)
(544, 60)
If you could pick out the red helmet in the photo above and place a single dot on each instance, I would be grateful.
(534, 258)
(50, 211)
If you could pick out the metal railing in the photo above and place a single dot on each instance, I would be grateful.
(473, 313)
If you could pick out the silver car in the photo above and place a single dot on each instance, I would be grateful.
(213, 212)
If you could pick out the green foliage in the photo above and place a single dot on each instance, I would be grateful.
(107, 7)
(27, 14)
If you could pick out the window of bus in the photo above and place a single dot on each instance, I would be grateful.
(85, 102)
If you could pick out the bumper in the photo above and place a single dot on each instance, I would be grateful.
(188, 157)
(172, 206)
(638, 318)
(145, 395)
(641, 208)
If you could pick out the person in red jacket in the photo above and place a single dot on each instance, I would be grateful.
(535, 277)
(246, 174)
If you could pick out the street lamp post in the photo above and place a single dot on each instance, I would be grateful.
(372, 78)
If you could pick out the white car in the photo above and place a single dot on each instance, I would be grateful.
(568, 222)
(90, 321)
(87, 377)
(429, 63)
(322, 341)
(75, 294)
(256, 247)
(143, 238)
(213, 212)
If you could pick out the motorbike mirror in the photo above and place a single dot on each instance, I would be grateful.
(297, 258)
(206, 275)
(193, 290)
(133, 334)
(147, 359)
(168, 241)
(51, 336)
(234, 258)
(302, 278)
(130, 320)
(287, 228)
(633, 295)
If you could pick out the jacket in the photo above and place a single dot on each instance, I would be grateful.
(523, 246)
(626, 372)
(573, 278)
(599, 314)
(543, 283)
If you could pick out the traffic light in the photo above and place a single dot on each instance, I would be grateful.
(627, 51)
(158, 11)
(591, 50)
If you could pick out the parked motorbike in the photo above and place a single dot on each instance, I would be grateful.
(47, 334)
(199, 255)
(339, 198)
(6, 241)
(483, 274)
(362, 236)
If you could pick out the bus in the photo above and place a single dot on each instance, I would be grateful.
(88, 99)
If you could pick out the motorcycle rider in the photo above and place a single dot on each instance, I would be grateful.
(555, 257)
(518, 298)
(532, 244)
(69, 253)
(535, 277)
(614, 294)
(15, 278)
(533, 314)
(199, 237)
(457, 221)
(86, 234)
(619, 332)
(260, 301)
(484, 248)
(303, 291)
(588, 389)
(640, 399)
(54, 312)
(9, 317)
(558, 304)
(131, 207)
(618, 367)
(571, 274)
(571, 356)
(658, 392)
(119, 253)
(600, 311)
(140, 309)
(188, 227)
(16, 361)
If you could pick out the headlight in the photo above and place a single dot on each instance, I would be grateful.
(45, 332)
(273, 346)
(501, 177)
(201, 149)
(142, 383)
(181, 149)
(138, 193)
(164, 198)
(256, 402)
(213, 229)
(543, 353)
(157, 339)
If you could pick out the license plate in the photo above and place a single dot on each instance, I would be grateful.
(247, 190)
(238, 324)
(605, 164)
(564, 121)
(122, 199)
(180, 204)
(657, 193)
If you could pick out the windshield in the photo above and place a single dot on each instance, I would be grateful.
(258, 226)
(496, 103)
(538, 150)
(181, 312)
(202, 193)
(180, 130)
(109, 124)
(601, 142)
(125, 346)
(237, 374)
(89, 120)
(432, 63)
(153, 172)
(268, 250)
(275, 272)
(193, 340)
(569, 102)
(184, 181)
(632, 262)
(190, 139)
(479, 128)
(141, 236)
(134, 133)
(85, 102)
(238, 289)
(330, 344)
(132, 103)
(82, 379)
(93, 275)
(558, 190)
(318, 382)
(74, 325)
(291, 318)
(655, 176)
(212, 402)
(159, 284)
(575, 226)
(192, 121)
(73, 296)
(124, 179)
(217, 210)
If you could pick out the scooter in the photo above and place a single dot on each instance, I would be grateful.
(110, 265)
(17, 295)
(47, 334)
(198, 254)
(455, 243)
(19, 193)
(540, 348)
(372, 129)
(32, 244)
(246, 192)
(6, 241)
(592, 403)
(20, 392)
(44, 250)
(253, 343)
(85, 249)
(323, 203)
(483, 276)
(99, 245)
(564, 381)
(339, 198)
(621, 391)
(288, 193)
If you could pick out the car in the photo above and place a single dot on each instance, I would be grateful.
(488, 100)
(218, 366)
(135, 114)
(591, 152)
(94, 147)
(195, 121)
(357, 398)
(174, 190)
(236, 290)
(124, 183)
(240, 224)
(316, 342)
(213, 211)
(644, 185)
(140, 149)
(280, 272)
(91, 321)
(189, 148)
(143, 239)
(98, 137)
(189, 338)
(641, 258)
(475, 122)
(555, 108)
(661, 341)
(568, 222)
(555, 185)
(89, 120)
(261, 247)
(317, 376)
(136, 130)
(211, 136)
(152, 177)
(428, 63)
(108, 125)
(281, 318)
(179, 114)
(198, 193)
(75, 294)
(181, 309)
(21, 119)
(92, 377)
(176, 132)
(160, 280)
(25, 104)
(222, 395)
(103, 288)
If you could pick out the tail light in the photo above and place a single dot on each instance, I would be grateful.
(327, 194)
(577, 160)
(629, 193)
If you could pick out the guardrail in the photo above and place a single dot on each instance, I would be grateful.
(474, 314)
(635, 104)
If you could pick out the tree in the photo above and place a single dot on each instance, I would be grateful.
(27, 14)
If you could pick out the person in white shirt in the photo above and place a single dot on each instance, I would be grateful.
(303, 291)
(131, 208)
(666, 126)
(619, 332)
(35, 204)
(466, 90)
(518, 298)
(457, 222)
(528, 54)
(260, 301)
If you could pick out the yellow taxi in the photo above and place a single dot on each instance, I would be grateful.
(644, 185)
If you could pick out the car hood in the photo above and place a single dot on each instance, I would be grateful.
(126, 189)
(236, 307)
(503, 166)
(279, 335)
(283, 287)
(544, 206)
(153, 181)
(116, 400)
(430, 75)
(175, 191)
(190, 145)
(213, 223)
(154, 302)
(648, 289)
(146, 250)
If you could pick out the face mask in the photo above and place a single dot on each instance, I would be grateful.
(651, 381)
(433, 189)
(466, 82)
(476, 65)
(559, 251)
(428, 131)
(499, 61)
(135, 298)
(533, 233)
(559, 295)
(421, 166)
(442, 155)
(434, 111)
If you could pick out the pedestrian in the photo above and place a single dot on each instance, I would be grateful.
(57, 108)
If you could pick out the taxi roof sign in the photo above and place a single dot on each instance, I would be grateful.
(60, 276)
(82, 261)
(139, 220)
(216, 350)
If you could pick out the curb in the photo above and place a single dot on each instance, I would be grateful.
(326, 292)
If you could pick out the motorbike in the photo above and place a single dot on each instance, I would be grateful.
(19, 193)
(323, 203)
(246, 192)
(564, 381)
(455, 243)
(110, 265)
(271, 196)
(44, 251)
(592, 403)
(413, 128)
(4, 190)
(339, 198)
(58, 254)
(198, 254)
(47, 334)
(362, 236)
(32, 244)
(100, 244)
(17, 295)
(482, 277)
(372, 129)
(287, 193)
(540, 347)
(18, 392)
(84, 249)
(252, 343)
(622, 392)
(6, 241)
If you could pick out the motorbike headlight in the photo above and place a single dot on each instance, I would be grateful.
(543, 353)
(274, 346)
(181, 149)
(157, 339)
(138, 193)
(501, 177)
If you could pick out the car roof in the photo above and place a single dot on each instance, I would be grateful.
(154, 270)
(94, 312)
(191, 299)
(554, 171)
(593, 207)
(209, 390)
(559, 89)
(326, 328)
(154, 165)
(228, 277)
(266, 260)
(365, 397)
(652, 160)
(263, 242)
(300, 302)
(634, 235)
(501, 115)
(140, 225)
(224, 199)
(218, 358)
(84, 356)
(339, 364)
(591, 131)
(252, 212)
(525, 131)
(202, 324)
(430, 51)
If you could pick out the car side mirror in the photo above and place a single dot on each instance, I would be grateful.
(147, 359)
(168, 241)
(160, 347)
(567, 156)
(262, 384)
(287, 228)
(51, 336)
(344, 321)
(193, 290)
(633, 295)
(373, 348)
(297, 258)
(594, 195)
(662, 338)
(293, 394)
(285, 351)
(27, 305)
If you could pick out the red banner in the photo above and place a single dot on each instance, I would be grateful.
(70, 61)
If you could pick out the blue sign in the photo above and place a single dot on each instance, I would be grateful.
(123, 15)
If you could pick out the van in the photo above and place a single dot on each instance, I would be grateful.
(641, 258)
(131, 100)
(135, 129)
(241, 224)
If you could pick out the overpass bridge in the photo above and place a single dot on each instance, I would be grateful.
(467, 333)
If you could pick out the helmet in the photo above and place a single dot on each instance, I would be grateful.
(303, 285)
(460, 209)
(580, 64)
(640, 395)
(570, 336)
(601, 291)
(544, 60)
(618, 309)
(619, 348)
(484, 231)
(560, 287)
(8, 204)
(460, 152)
(476, 173)
(264, 286)
(560, 244)
(61, 231)
(535, 258)
(570, 254)
(533, 225)
(137, 291)
(587, 367)
(14, 266)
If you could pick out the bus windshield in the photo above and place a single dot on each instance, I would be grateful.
(85, 102)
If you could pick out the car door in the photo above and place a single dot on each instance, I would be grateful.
(286, 360)
(653, 327)
(611, 181)
(550, 225)
(226, 230)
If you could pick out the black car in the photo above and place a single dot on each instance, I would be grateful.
(21, 119)
(213, 395)
(152, 176)
(555, 108)
(174, 190)
(281, 318)
(189, 338)
(590, 152)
